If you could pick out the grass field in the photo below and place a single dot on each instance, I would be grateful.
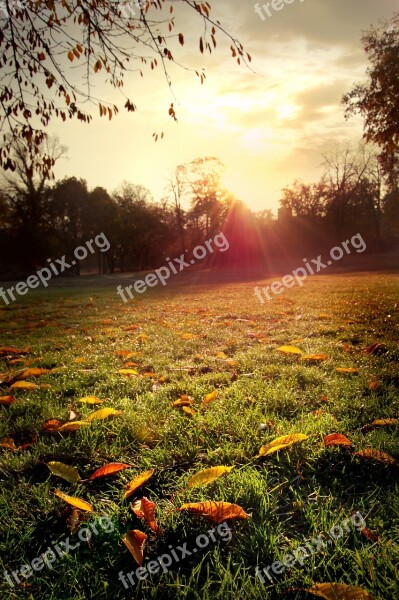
(192, 341)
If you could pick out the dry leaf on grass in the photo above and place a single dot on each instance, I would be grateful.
(284, 441)
(215, 511)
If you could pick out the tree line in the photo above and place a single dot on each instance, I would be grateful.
(42, 220)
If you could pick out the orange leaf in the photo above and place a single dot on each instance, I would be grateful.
(6, 400)
(24, 385)
(32, 373)
(145, 509)
(13, 350)
(337, 439)
(182, 402)
(8, 443)
(340, 591)
(52, 425)
(134, 541)
(109, 469)
(74, 501)
(378, 456)
(210, 397)
(215, 511)
(311, 358)
(351, 370)
(137, 482)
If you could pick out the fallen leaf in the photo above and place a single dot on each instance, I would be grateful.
(128, 372)
(32, 373)
(215, 511)
(77, 502)
(109, 469)
(8, 443)
(281, 442)
(137, 482)
(367, 533)
(6, 400)
(337, 439)
(24, 385)
(102, 414)
(72, 426)
(188, 336)
(183, 401)
(145, 509)
(91, 400)
(313, 358)
(67, 472)
(134, 541)
(289, 350)
(210, 397)
(207, 476)
(378, 456)
(376, 349)
(189, 411)
(52, 425)
(340, 591)
(373, 385)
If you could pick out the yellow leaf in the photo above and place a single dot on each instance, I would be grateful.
(189, 411)
(103, 413)
(209, 397)
(340, 591)
(207, 476)
(215, 511)
(72, 426)
(91, 400)
(289, 350)
(282, 442)
(346, 370)
(74, 501)
(134, 541)
(188, 336)
(128, 372)
(137, 482)
(68, 473)
(24, 385)
(221, 355)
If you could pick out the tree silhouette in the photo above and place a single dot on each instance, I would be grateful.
(52, 51)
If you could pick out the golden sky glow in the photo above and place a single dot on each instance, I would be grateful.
(267, 127)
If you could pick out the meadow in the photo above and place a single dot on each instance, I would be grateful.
(201, 376)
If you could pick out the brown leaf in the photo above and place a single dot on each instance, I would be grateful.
(378, 456)
(145, 509)
(52, 425)
(340, 591)
(134, 541)
(337, 439)
(6, 400)
(215, 511)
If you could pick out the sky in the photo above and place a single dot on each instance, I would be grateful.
(269, 125)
